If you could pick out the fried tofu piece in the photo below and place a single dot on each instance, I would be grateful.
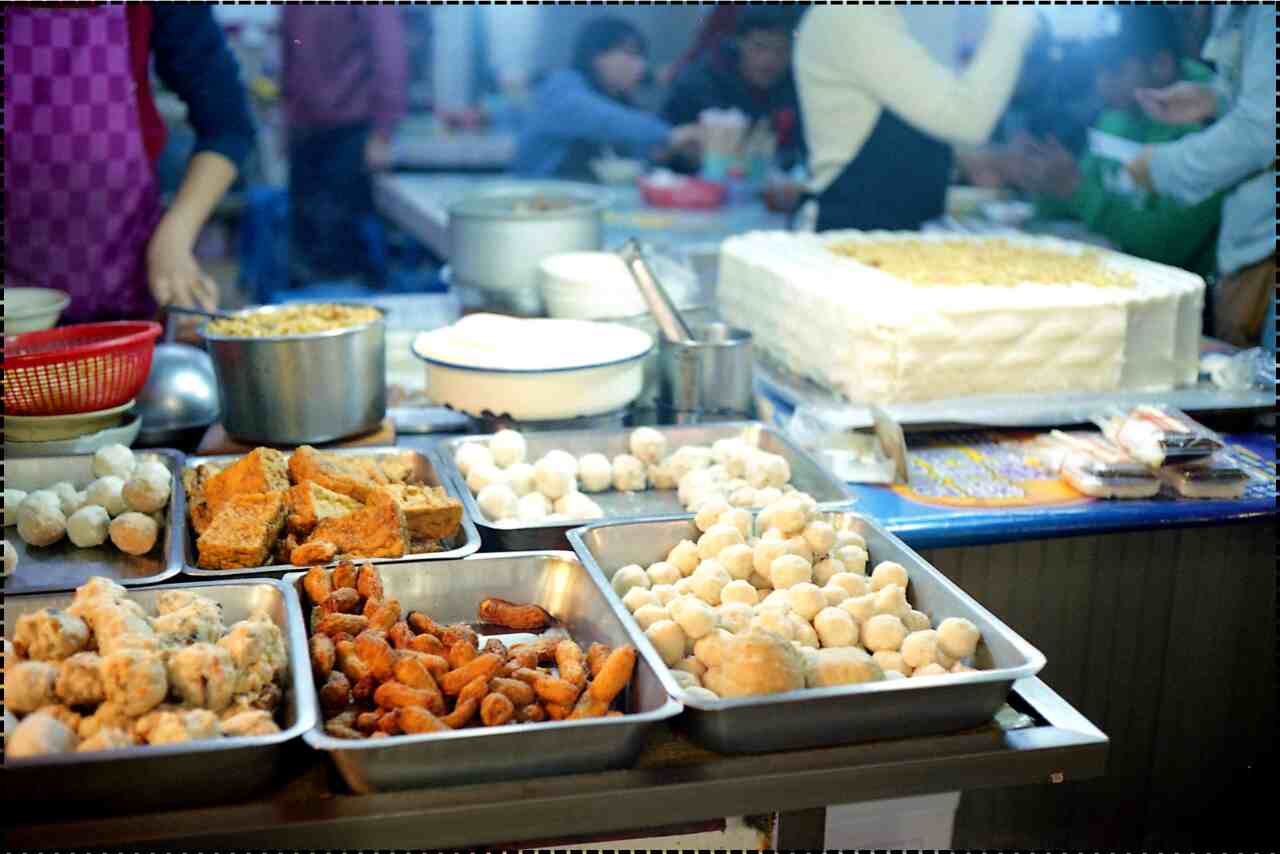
(194, 481)
(243, 533)
(309, 503)
(429, 511)
(261, 471)
(376, 530)
(341, 474)
(397, 468)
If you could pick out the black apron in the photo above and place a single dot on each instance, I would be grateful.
(897, 181)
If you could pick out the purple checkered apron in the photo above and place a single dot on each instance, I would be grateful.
(80, 192)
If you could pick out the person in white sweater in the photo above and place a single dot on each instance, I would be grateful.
(881, 114)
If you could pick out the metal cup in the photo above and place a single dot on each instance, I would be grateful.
(711, 375)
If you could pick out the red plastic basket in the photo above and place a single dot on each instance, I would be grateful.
(85, 367)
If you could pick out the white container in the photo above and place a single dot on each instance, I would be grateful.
(32, 309)
(597, 286)
(911, 824)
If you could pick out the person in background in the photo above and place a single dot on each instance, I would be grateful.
(749, 70)
(582, 112)
(880, 114)
(1235, 154)
(1096, 189)
(345, 87)
(82, 133)
(718, 24)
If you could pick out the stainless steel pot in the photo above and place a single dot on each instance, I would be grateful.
(498, 236)
(300, 389)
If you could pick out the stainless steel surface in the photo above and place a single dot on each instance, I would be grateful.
(806, 476)
(63, 566)
(450, 592)
(293, 390)
(696, 315)
(497, 249)
(714, 373)
(663, 309)
(671, 783)
(427, 470)
(826, 716)
(181, 393)
(167, 776)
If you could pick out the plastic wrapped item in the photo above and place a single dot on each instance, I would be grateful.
(1097, 468)
(1211, 477)
(1156, 434)
(1248, 369)
(851, 455)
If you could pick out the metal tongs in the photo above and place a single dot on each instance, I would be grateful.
(673, 327)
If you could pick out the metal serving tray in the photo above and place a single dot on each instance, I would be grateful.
(450, 592)
(166, 776)
(427, 470)
(806, 475)
(821, 717)
(63, 566)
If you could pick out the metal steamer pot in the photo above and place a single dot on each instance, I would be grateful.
(301, 389)
(498, 236)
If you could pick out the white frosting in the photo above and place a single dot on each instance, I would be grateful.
(516, 344)
(875, 337)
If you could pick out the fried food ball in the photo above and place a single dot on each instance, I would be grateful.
(107, 738)
(39, 735)
(69, 500)
(758, 663)
(177, 727)
(688, 672)
(765, 553)
(507, 447)
(135, 680)
(627, 577)
(958, 637)
(647, 444)
(134, 533)
(472, 454)
(805, 600)
(789, 570)
(718, 538)
(853, 557)
(146, 493)
(861, 608)
(921, 648)
(684, 557)
(708, 580)
(107, 492)
(891, 661)
(204, 675)
(694, 616)
(40, 523)
(88, 527)
(739, 591)
(835, 627)
(709, 513)
(638, 597)
(892, 600)
(661, 476)
(668, 639)
(79, 680)
(802, 632)
(520, 477)
(29, 685)
(826, 569)
(664, 592)
(883, 632)
(735, 617)
(834, 595)
(820, 536)
(257, 648)
(709, 649)
(853, 584)
(738, 560)
(629, 474)
(772, 620)
(563, 459)
(50, 635)
(929, 670)
(916, 621)
(886, 573)
(554, 477)
(647, 615)
(249, 722)
(595, 473)
(789, 516)
(846, 665)
(663, 572)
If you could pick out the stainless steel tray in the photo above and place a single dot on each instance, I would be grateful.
(427, 470)
(166, 776)
(806, 475)
(63, 566)
(825, 716)
(450, 592)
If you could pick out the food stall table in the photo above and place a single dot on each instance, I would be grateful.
(672, 784)
(422, 144)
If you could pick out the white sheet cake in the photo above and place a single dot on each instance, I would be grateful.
(1008, 314)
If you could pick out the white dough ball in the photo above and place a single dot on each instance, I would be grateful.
(107, 492)
(806, 599)
(595, 473)
(861, 608)
(40, 523)
(723, 449)
(114, 460)
(684, 587)
(134, 533)
(152, 468)
(802, 631)
(508, 448)
(484, 475)
(520, 477)
(834, 595)
(663, 572)
(767, 470)
(958, 637)
(692, 485)
(800, 548)
(69, 500)
(854, 585)
(886, 573)
(738, 560)
(691, 458)
(709, 513)
(146, 494)
(638, 597)
(734, 617)
(647, 615)
(759, 582)
(892, 600)
(629, 474)
(892, 661)
(42, 498)
(851, 538)
(738, 518)
(13, 498)
(709, 580)
(842, 666)
(668, 639)
(498, 501)
(742, 498)
(472, 454)
(789, 570)
(554, 477)
(776, 599)
(916, 621)
(766, 552)
(89, 526)
(10, 558)
(709, 649)
(562, 459)
(661, 476)
(627, 577)
(921, 648)
(789, 516)
(772, 620)
(533, 507)
(768, 496)
(664, 592)
(773, 535)
(684, 557)
(820, 536)
(575, 505)
(835, 627)
(739, 591)
(929, 670)
(853, 557)
(647, 444)
(826, 569)
(883, 632)
(717, 539)
(694, 616)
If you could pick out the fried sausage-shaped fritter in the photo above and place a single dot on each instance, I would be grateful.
(373, 649)
(391, 695)
(335, 694)
(390, 723)
(344, 600)
(531, 714)
(476, 689)
(368, 582)
(416, 719)
(422, 624)
(461, 714)
(362, 691)
(455, 680)
(553, 690)
(496, 710)
(571, 663)
(588, 707)
(514, 690)
(349, 661)
(400, 635)
(596, 655)
(614, 675)
(462, 654)
(352, 624)
(322, 656)
(523, 617)
(557, 712)
(455, 632)
(344, 576)
(317, 584)
(429, 644)
(383, 615)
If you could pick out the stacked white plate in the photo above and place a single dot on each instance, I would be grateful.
(597, 286)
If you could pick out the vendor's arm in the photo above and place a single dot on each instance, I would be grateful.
(1239, 144)
(581, 113)
(870, 48)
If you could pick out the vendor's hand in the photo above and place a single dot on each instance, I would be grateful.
(981, 168)
(172, 272)
(1139, 168)
(377, 152)
(1053, 169)
(1182, 103)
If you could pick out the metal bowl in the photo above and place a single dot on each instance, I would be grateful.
(180, 397)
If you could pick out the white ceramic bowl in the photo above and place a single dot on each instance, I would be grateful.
(32, 309)
(48, 428)
(533, 369)
(122, 434)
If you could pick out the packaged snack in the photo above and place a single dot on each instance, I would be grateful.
(1211, 477)
(1095, 467)
(1155, 434)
